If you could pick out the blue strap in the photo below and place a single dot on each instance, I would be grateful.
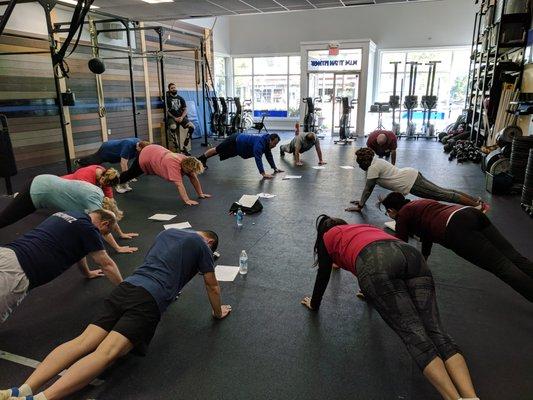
(29, 397)
(15, 392)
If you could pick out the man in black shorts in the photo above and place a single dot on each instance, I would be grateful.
(130, 314)
(246, 146)
(177, 116)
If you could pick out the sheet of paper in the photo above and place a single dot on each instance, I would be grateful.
(319, 167)
(162, 217)
(266, 195)
(292, 176)
(391, 225)
(248, 200)
(347, 167)
(225, 273)
(179, 225)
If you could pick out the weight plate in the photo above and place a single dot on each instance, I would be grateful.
(499, 166)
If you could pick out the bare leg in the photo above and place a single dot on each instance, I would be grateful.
(211, 152)
(89, 367)
(65, 355)
(458, 371)
(436, 373)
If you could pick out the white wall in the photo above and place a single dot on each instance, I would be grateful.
(221, 32)
(394, 25)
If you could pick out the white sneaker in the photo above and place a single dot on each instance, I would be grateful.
(121, 188)
(127, 187)
(134, 180)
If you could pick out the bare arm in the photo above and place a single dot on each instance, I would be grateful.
(123, 235)
(213, 292)
(109, 268)
(297, 154)
(196, 184)
(183, 194)
(369, 187)
(86, 271)
(319, 152)
(123, 164)
(393, 157)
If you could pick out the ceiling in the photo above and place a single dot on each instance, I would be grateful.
(184, 9)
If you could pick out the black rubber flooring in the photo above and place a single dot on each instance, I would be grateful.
(270, 347)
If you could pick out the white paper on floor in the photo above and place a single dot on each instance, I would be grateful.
(162, 217)
(347, 167)
(292, 176)
(266, 195)
(319, 167)
(391, 225)
(179, 225)
(225, 273)
(248, 200)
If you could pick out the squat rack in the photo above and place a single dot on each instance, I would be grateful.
(131, 54)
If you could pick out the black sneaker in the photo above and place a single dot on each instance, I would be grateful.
(281, 152)
(184, 151)
(203, 160)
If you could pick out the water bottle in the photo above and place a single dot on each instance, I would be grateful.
(243, 263)
(240, 218)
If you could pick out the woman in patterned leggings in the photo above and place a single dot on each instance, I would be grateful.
(397, 282)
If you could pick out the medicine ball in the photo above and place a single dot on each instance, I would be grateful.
(96, 65)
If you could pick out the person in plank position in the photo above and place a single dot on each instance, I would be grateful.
(130, 314)
(404, 180)
(384, 143)
(397, 282)
(246, 146)
(114, 151)
(466, 231)
(157, 160)
(57, 194)
(44, 253)
(177, 115)
(300, 144)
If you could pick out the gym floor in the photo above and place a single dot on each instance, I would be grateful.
(270, 347)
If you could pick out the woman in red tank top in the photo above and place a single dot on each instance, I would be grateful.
(395, 278)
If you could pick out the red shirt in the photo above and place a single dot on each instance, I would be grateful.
(380, 150)
(345, 242)
(426, 219)
(88, 174)
(157, 160)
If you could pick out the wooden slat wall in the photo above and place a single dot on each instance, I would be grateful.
(27, 96)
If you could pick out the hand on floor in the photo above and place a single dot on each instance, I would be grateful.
(95, 273)
(129, 235)
(191, 203)
(277, 171)
(226, 309)
(268, 176)
(127, 249)
(205, 196)
(299, 163)
(307, 302)
(322, 163)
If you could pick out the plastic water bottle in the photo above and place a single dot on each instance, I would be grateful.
(243, 263)
(240, 218)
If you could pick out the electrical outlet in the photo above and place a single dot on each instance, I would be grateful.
(109, 132)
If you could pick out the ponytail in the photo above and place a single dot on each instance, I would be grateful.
(110, 177)
(323, 224)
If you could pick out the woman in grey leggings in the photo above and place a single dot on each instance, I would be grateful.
(397, 282)
(404, 180)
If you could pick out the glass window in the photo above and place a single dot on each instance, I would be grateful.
(242, 66)
(294, 65)
(220, 76)
(270, 65)
(270, 93)
(243, 87)
(294, 96)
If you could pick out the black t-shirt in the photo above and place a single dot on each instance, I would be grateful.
(175, 104)
(55, 245)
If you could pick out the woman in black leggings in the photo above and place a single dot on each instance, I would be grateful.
(396, 280)
(465, 230)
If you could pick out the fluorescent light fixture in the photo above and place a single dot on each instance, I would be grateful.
(158, 1)
(74, 2)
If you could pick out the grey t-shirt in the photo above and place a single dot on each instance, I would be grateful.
(302, 142)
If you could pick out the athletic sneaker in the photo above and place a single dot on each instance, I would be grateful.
(77, 162)
(122, 188)
(281, 152)
(186, 152)
(203, 160)
(127, 187)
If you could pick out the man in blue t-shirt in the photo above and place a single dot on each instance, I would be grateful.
(114, 151)
(131, 313)
(246, 146)
(44, 253)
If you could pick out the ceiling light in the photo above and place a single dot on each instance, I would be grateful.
(158, 1)
(74, 2)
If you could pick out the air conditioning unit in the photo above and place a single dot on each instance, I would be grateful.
(119, 35)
